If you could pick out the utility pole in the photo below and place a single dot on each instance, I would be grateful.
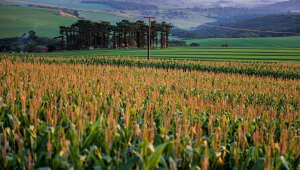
(149, 35)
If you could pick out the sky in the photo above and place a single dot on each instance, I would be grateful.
(193, 3)
(233, 2)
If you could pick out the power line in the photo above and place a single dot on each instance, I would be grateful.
(149, 35)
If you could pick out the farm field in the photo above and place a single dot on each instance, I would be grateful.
(103, 113)
(73, 4)
(45, 22)
(275, 42)
(79, 90)
(101, 17)
(194, 53)
(269, 69)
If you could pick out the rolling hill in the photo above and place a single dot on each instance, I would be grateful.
(110, 10)
(265, 26)
(184, 14)
(286, 6)
(19, 20)
(187, 19)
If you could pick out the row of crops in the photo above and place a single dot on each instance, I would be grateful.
(276, 70)
(88, 116)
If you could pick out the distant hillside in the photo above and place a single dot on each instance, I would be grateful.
(122, 5)
(15, 21)
(288, 6)
(184, 14)
(275, 23)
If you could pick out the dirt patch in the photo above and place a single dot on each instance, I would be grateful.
(65, 14)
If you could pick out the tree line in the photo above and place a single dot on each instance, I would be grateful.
(85, 34)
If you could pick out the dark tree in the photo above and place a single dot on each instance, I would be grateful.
(85, 34)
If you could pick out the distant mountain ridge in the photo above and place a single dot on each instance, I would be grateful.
(270, 26)
(288, 6)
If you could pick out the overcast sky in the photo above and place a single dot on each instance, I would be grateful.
(255, 1)
(240, 2)
(191, 3)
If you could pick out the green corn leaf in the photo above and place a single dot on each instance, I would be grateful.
(260, 164)
(99, 162)
(130, 163)
(91, 135)
(155, 157)
(284, 162)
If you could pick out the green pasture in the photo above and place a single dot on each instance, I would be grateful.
(96, 17)
(278, 42)
(193, 53)
(73, 4)
(15, 21)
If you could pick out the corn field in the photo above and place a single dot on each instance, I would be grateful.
(269, 69)
(67, 115)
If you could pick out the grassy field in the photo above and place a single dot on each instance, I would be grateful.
(279, 42)
(113, 19)
(192, 53)
(20, 20)
(73, 4)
